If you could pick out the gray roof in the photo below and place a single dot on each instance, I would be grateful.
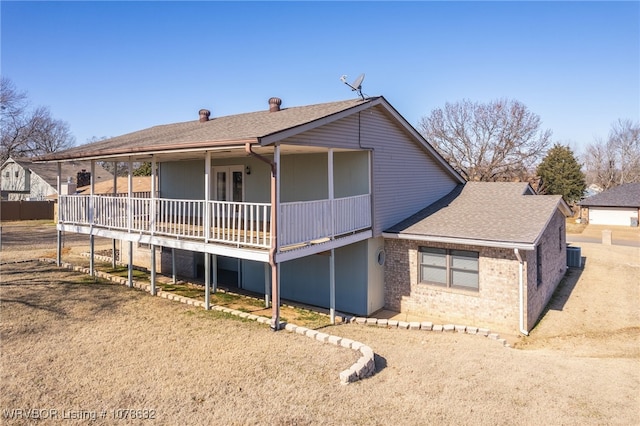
(486, 214)
(626, 195)
(49, 171)
(232, 129)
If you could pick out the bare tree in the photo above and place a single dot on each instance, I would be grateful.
(617, 160)
(501, 140)
(28, 133)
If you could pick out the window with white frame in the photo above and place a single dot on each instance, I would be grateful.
(449, 268)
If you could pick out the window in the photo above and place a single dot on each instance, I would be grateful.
(17, 173)
(449, 268)
(6, 174)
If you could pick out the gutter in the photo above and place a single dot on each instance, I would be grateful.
(456, 240)
(521, 290)
(275, 295)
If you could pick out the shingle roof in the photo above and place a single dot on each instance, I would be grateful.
(486, 212)
(237, 128)
(626, 195)
(49, 171)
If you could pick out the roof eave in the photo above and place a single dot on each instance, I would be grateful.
(460, 241)
(158, 149)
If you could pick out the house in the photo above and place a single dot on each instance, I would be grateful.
(141, 187)
(300, 203)
(617, 206)
(24, 179)
(488, 253)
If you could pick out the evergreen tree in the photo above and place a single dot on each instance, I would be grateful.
(561, 174)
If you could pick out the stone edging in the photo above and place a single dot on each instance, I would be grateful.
(364, 367)
(429, 326)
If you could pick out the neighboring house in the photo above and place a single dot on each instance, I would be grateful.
(141, 187)
(617, 206)
(24, 179)
(301, 203)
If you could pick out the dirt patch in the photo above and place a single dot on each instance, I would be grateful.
(69, 343)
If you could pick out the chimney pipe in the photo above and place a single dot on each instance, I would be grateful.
(274, 104)
(204, 115)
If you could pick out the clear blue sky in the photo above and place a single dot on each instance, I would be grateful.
(109, 68)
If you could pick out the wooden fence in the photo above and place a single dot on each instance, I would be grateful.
(26, 210)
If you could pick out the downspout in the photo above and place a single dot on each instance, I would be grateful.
(521, 290)
(275, 296)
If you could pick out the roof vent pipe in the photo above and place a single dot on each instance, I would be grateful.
(204, 115)
(274, 104)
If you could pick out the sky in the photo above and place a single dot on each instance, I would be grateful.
(110, 68)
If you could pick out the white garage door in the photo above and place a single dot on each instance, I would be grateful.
(611, 216)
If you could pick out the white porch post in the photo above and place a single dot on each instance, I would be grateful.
(130, 223)
(275, 267)
(92, 247)
(152, 213)
(207, 229)
(332, 286)
(332, 220)
(207, 196)
(115, 193)
(59, 233)
(332, 257)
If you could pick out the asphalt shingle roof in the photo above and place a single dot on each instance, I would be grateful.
(218, 130)
(626, 195)
(485, 212)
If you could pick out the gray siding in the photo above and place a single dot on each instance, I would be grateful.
(183, 180)
(303, 177)
(406, 178)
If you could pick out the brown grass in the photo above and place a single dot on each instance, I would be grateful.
(69, 343)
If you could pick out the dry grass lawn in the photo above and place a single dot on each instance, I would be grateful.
(69, 343)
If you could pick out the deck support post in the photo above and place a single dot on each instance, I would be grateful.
(273, 250)
(59, 251)
(332, 286)
(92, 210)
(267, 286)
(130, 221)
(207, 281)
(92, 255)
(174, 273)
(130, 268)
(214, 273)
(153, 270)
(115, 193)
(59, 233)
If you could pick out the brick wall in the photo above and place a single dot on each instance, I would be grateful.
(495, 305)
(553, 246)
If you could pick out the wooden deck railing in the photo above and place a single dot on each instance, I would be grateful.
(240, 224)
(307, 221)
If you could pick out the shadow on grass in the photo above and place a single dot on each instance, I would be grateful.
(563, 291)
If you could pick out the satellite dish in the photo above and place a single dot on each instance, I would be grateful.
(356, 86)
